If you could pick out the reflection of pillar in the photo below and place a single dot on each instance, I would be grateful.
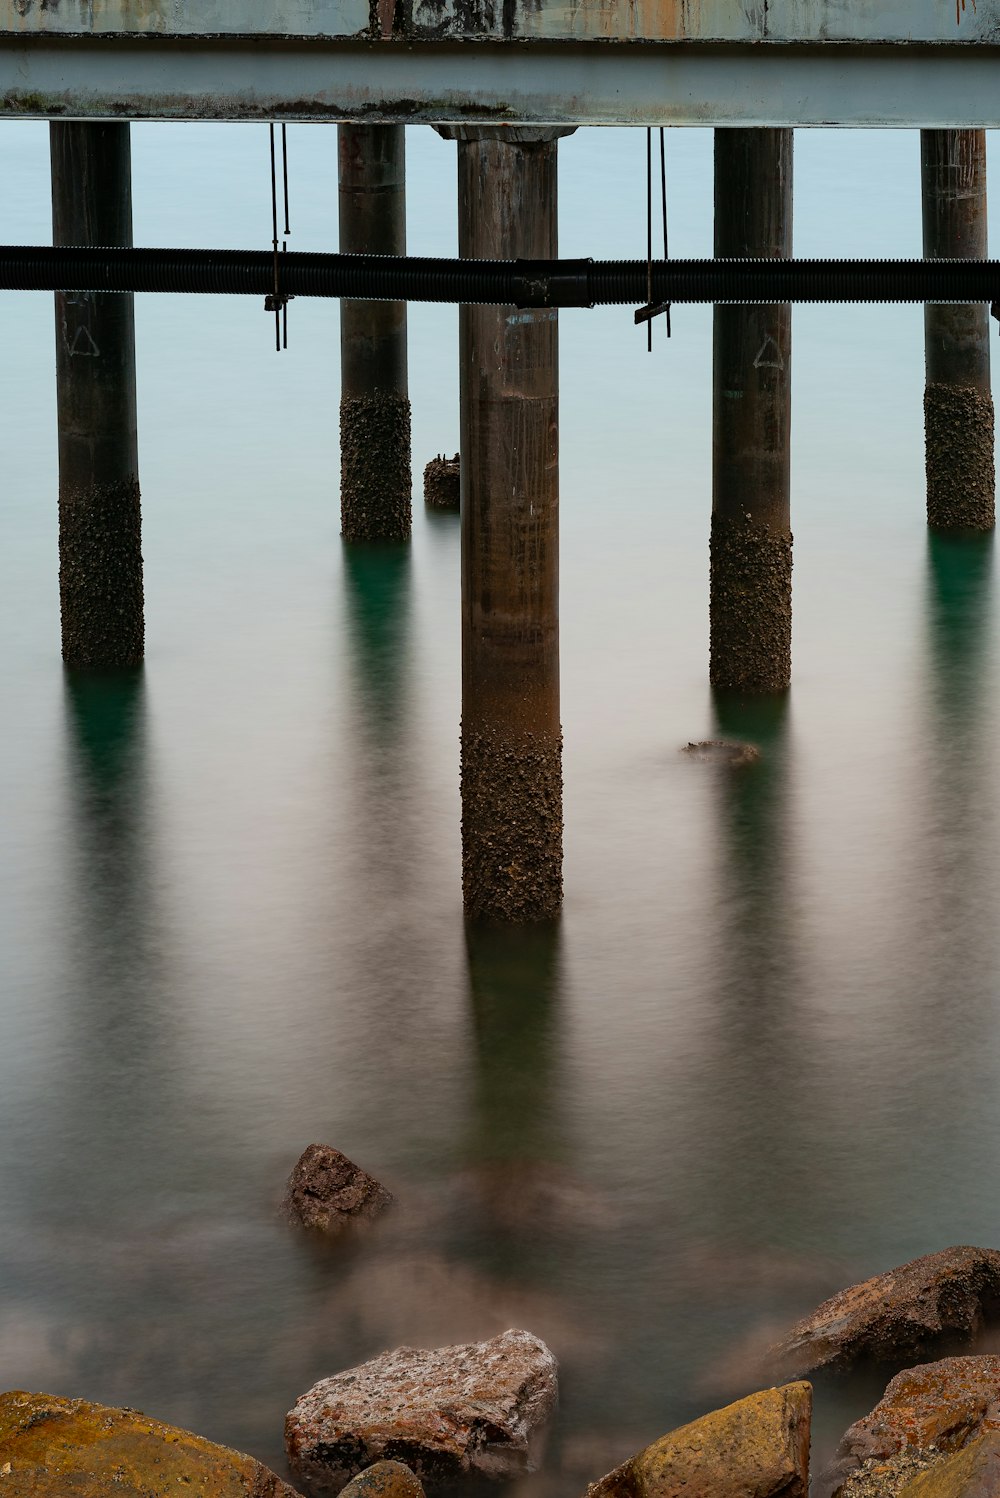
(105, 724)
(751, 799)
(515, 1174)
(377, 595)
(114, 1027)
(959, 607)
(757, 984)
(959, 610)
(100, 545)
(511, 737)
(104, 719)
(380, 768)
(375, 479)
(958, 404)
(751, 547)
(513, 980)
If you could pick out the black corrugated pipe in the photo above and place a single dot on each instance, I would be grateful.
(521, 283)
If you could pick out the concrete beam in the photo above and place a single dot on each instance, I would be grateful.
(857, 22)
(533, 83)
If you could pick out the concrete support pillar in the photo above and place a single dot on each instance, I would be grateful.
(375, 478)
(100, 541)
(751, 546)
(958, 405)
(511, 735)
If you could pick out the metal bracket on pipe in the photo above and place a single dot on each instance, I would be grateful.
(646, 314)
(564, 283)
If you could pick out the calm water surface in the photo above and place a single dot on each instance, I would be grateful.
(757, 1059)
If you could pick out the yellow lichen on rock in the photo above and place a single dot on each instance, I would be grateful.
(755, 1448)
(383, 1480)
(68, 1448)
(973, 1472)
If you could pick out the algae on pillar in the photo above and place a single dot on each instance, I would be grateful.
(100, 541)
(375, 478)
(511, 734)
(751, 545)
(958, 403)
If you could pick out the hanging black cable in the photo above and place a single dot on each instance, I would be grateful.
(288, 229)
(277, 299)
(650, 310)
(273, 302)
(663, 205)
(649, 235)
(284, 173)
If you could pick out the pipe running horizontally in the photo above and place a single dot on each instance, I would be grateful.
(520, 283)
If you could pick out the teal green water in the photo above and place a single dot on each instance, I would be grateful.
(757, 1059)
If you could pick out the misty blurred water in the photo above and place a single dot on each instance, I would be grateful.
(757, 1059)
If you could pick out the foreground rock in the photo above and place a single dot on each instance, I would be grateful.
(971, 1473)
(925, 1413)
(328, 1191)
(67, 1448)
(756, 1448)
(886, 1477)
(452, 1412)
(900, 1314)
(383, 1480)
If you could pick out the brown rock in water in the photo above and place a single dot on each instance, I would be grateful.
(327, 1191)
(452, 1412)
(756, 1448)
(895, 1315)
(67, 1448)
(384, 1480)
(443, 483)
(973, 1472)
(930, 1410)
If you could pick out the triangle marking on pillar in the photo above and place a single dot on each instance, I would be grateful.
(83, 345)
(769, 355)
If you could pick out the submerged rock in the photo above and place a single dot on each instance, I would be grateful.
(67, 1448)
(327, 1191)
(450, 1412)
(973, 1472)
(531, 1197)
(895, 1315)
(928, 1411)
(384, 1480)
(722, 752)
(756, 1448)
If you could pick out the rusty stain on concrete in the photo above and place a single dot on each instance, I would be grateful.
(697, 21)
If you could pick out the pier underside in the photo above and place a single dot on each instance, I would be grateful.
(671, 62)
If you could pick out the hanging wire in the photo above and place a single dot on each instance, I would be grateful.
(647, 313)
(275, 298)
(284, 172)
(663, 204)
(277, 302)
(288, 229)
(649, 235)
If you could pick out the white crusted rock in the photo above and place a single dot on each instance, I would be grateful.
(449, 1412)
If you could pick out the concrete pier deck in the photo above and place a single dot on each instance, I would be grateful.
(558, 62)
